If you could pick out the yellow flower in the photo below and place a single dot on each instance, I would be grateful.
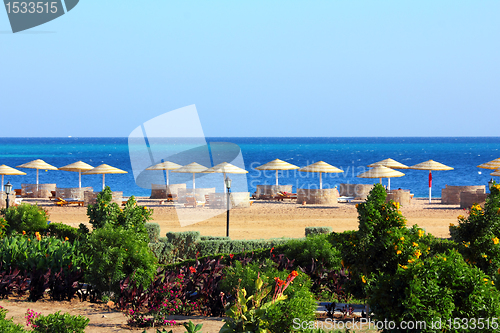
(24, 232)
(492, 283)
(495, 240)
(444, 258)
(395, 247)
(398, 252)
(485, 279)
(402, 239)
(37, 235)
(420, 233)
(415, 244)
(357, 205)
(403, 266)
(460, 217)
(66, 238)
(363, 279)
(410, 261)
(484, 256)
(145, 207)
(417, 254)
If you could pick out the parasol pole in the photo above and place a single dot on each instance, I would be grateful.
(167, 180)
(194, 192)
(320, 181)
(2, 185)
(103, 181)
(37, 181)
(224, 173)
(276, 177)
(388, 184)
(80, 178)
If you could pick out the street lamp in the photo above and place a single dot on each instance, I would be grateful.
(8, 188)
(490, 184)
(228, 186)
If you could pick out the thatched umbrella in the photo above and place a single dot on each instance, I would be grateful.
(192, 168)
(389, 163)
(431, 165)
(492, 165)
(104, 169)
(321, 167)
(37, 164)
(381, 172)
(7, 170)
(165, 166)
(277, 165)
(224, 168)
(77, 167)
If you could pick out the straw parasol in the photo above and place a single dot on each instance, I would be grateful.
(321, 167)
(37, 164)
(224, 168)
(191, 168)
(381, 171)
(7, 170)
(104, 169)
(389, 163)
(277, 164)
(496, 173)
(165, 166)
(77, 167)
(431, 165)
(492, 165)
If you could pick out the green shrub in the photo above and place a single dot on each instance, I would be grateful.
(299, 304)
(60, 323)
(441, 287)
(105, 212)
(213, 247)
(8, 326)
(478, 234)
(25, 217)
(163, 251)
(63, 231)
(208, 238)
(183, 243)
(117, 253)
(318, 230)
(3, 227)
(314, 248)
(153, 230)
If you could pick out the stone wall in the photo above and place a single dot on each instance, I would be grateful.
(401, 196)
(451, 194)
(44, 190)
(73, 192)
(271, 190)
(160, 191)
(316, 196)
(467, 199)
(358, 191)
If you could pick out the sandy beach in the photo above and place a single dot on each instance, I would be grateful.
(271, 219)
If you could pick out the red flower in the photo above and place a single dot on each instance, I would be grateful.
(192, 269)
(272, 250)
(231, 256)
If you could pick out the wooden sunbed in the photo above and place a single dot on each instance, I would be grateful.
(63, 202)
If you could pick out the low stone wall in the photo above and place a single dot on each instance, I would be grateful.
(451, 194)
(467, 199)
(200, 193)
(271, 190)
(316, 196)
(160, 191)
(358, 191)
(401, 196)
(73, 192)
(44, 190)
(89, 198)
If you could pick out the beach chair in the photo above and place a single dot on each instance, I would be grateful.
(191, 202)
(66, 202)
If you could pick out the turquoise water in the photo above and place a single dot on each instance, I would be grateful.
(349, 154)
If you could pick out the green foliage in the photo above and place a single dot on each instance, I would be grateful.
(163, 251)
(60, 323)
(26, 252)
(8, 326)
(213, 247)
(209, 238)
(3, 226)
(318, 230)
(299, 303)
(63, 231)
(183, 244)
(105, 212)
(117, 253)
(153, 230)
(440, 287)
(314, 248)
(25, 217)
(479, 233)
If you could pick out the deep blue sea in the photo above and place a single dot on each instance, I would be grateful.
(349, 154)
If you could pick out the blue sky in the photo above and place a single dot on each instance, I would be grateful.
(257, 68)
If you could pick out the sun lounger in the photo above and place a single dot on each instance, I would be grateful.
(280, 196)
(65, 202)
(191, 201)
(345, 199)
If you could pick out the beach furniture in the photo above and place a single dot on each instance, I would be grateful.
(345, 199)
(224, 168)
(277, 165)
(191, 202)
(65, 202)
(37, 164)
(380, 171)
(6, 170)
(104, 169)
(167, 166)
(77, 167)
(193, 168)
(389, 163)
(280, 196)
(430, 165)
(321, 167)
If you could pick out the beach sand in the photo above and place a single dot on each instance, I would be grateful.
(268, 219)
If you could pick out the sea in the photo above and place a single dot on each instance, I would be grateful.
(352, 155)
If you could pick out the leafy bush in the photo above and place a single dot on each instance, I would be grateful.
(3, 227)
(25, 217)
(64, 231)
(60, 323)
(153, 230)
(441, 287)
(183, 244)
(117, 253)
(8, 326)
(162, 250)
(209, 238)
(105, 212)
(213, 247)
(479, 233)
(318, 230)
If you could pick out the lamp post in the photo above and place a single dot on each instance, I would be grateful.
(8, 188)
(228, 186)
(490, 184)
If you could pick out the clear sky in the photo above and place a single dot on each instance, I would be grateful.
(257, 68)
